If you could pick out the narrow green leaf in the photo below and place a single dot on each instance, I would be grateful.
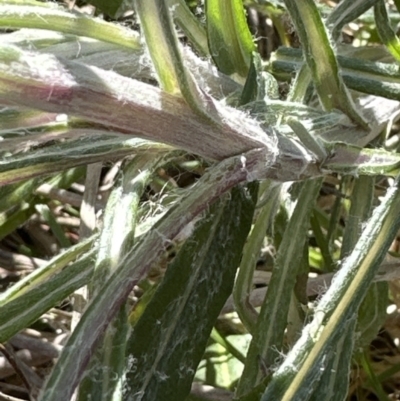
(244, 280)
(373, 379)
(25, 16)
(163, 45)
(334, 227)
(268, 337)
(322, 241)
(229, 38)
(348, 159)
(361, 199)
(11, 195)
(11, 220)
(260, 86)
(22, 311)
(42, 274)
(116, 239)
(345, 12)
(251, 88)
(325, 222)
(321, 59)
(372, 314)
(161, 40)
(220, 339)
(333, 384)
(218, 368)
(385, 31)
(375, 78)
(105, 379)
(305, 363)
(388, 373)
(313, 144)
(68, 154)
(169, 340)
(190, 25)
(11, 119)
(302, 87)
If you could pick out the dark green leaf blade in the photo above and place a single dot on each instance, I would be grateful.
(169, 340)
(229, 37)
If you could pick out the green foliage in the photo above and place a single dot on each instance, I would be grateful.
(188, 301)
(229, 38)
(223, 160)
(109, 7)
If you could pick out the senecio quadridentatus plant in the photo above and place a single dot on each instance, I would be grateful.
(78, 91)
